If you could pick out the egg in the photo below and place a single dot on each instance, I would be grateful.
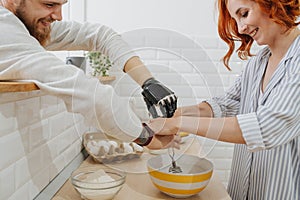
(113, 143)
(136, 147)
(104, 144)
(127, 148)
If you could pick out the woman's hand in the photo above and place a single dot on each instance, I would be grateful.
(165, 133)
(164, 126)
(164, 141)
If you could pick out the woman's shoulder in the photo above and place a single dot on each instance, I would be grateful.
(255, 60)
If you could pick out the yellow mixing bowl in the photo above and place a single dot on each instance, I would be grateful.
(196, 174)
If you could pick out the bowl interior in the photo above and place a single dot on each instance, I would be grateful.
(98, 179)
(190, 164)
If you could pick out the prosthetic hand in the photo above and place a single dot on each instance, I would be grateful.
(160, 100)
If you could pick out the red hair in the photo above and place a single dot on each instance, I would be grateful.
(283, 12)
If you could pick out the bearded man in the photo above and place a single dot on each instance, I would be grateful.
(32, 28)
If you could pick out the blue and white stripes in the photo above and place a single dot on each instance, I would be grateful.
(268, 166)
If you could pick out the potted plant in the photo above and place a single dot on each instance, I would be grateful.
(100, 64)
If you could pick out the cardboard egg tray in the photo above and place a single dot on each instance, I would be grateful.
(117, 151)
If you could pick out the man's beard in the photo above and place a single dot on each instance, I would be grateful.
(42, 36)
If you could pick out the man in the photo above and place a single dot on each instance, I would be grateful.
(31, 28)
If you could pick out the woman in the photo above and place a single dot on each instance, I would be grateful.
(261, 111)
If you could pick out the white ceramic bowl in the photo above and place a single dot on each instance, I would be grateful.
(196, 174)
(94, 185)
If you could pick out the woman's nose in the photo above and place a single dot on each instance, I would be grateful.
(242, 28)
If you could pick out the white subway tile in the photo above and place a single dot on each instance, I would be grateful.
(147, 53)
(22, 173)
(35, 161)
(182, 41)
(38, 182)
(222, 45)
(48, 106)
(204, 67)
(70, 120)
(33, 189)
(18, 96)
(11, 149)
(236, 68)
(215, 55)
(158, 66)
(221, 164)
(183, 91)
(7, 182)
(128, 90)
(21, 193)
(57, 124)
(191, 80)
(221, 152)
(61, 105)
(7, 119)
(207, 42)
(169, 79)
(181, 66)
(56, 166)
(169, 54)
(28, 112)
(186, 101)
(39, 133)
(195, 55)
(70, 153)
(221, 174)
(200, 92)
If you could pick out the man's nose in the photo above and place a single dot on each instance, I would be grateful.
(57, 14)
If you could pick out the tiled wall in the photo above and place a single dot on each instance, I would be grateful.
(38, 138)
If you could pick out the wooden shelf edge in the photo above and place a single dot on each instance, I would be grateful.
(14, 86)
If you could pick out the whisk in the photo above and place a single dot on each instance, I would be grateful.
(174, 168)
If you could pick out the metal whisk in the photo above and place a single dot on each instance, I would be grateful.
(174, 168)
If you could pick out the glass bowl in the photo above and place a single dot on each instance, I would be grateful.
(98, 184)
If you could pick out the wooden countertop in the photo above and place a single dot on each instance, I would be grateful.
(138, 185)
(15, 86)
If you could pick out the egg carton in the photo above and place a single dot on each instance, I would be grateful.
(104, 149)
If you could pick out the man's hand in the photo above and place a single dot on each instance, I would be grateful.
(165, 133)
(160, 100)
(164, 141)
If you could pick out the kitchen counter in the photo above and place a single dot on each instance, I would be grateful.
(138, 184)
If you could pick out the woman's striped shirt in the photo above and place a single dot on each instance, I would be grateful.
(268, 166)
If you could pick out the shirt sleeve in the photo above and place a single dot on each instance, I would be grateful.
(277, 120)
(23, 58)
(71, 35)
(228, 104)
